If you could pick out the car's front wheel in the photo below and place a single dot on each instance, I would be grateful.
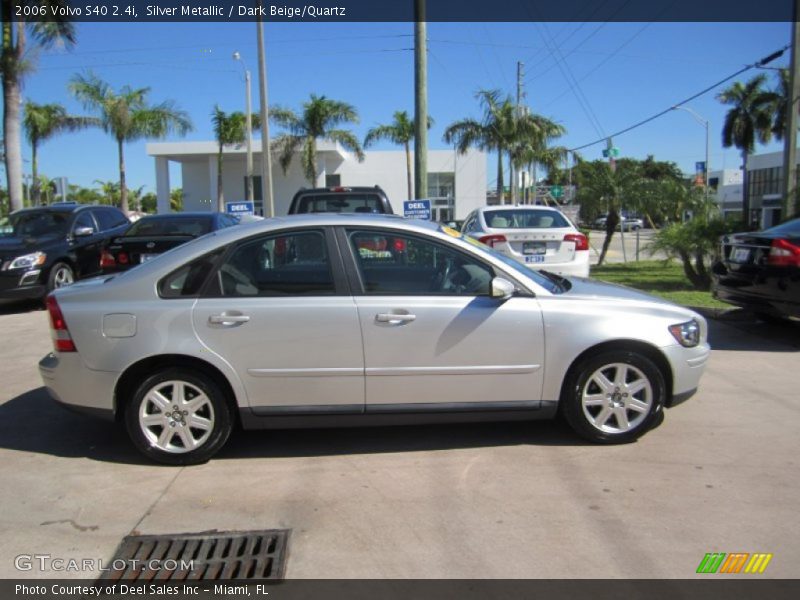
(61, 275)
(614, 397)
(178, 417)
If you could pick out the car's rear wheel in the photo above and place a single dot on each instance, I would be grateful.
(61, 275)
(178, 417)
(614, 397)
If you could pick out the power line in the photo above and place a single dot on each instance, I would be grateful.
(760, 63)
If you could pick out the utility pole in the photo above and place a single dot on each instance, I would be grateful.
(420, 102)
(511, 167)
(791, 205)
(266, 155)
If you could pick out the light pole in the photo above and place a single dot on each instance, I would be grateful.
(704, 123)
(249, 125)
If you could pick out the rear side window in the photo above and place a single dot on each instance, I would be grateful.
(187, 281)
(340, 202)
(109, 218)
(289, 264)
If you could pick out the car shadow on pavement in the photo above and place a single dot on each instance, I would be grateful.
(20, 307)
(741, 331)
(33, 422)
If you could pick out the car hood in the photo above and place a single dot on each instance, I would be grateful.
(591, 288)
(13, 244)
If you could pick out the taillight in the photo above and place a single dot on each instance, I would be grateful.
(492, 240)
(62, 340)
(784, 254)
(107, 260)
(581, 241)
(122, 258)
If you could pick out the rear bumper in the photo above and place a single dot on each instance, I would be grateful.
(70, 383)
(574, 268)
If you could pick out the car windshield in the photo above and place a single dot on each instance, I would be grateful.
(340, 202)
(551, 285)
(39, 223)
(525, 218)
(161, 226)
(789, 228)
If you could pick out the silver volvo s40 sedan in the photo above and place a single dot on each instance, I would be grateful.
(321, 320)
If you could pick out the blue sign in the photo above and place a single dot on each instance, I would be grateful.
(239, 208)
(417, 209)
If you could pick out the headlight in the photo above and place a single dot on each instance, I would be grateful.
(686, 334)
(28, 261)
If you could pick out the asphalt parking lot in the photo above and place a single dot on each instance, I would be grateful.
(522, 500)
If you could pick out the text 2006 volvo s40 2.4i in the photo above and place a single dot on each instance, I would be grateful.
(324, 320)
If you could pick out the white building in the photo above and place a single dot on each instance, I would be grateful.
(726, 185)
(458, 181)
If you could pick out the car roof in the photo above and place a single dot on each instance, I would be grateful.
(62, 207)
(180, 215)
(339, 189)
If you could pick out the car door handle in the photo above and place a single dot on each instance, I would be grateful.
(224, 319)
(393, 318)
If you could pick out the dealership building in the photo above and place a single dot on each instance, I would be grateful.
(456, 182)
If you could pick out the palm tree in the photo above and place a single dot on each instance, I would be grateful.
(749, 119)
(229, 129)
(109, 191)
(783, 93)
(400, 131)
(128, 117)
(319, 120)
(486, 134)
(14, 65)
(43, 121)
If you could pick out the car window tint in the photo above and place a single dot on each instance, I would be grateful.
(161, 226)
(395, 263)
(341, 202)
(289, 264)
(85, 219)
(525, 219)
(108, 218)
(187, 281)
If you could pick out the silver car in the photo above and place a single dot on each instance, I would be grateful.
(350, 319)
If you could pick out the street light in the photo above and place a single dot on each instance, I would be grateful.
(249, 125)
(704, 123)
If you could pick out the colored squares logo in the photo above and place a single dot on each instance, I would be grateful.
(733, 563)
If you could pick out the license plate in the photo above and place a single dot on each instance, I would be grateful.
(740, 255)
(534, 259)
(534, 248)
(145, 257)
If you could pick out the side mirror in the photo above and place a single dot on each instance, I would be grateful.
(502, 288)
(83, 232)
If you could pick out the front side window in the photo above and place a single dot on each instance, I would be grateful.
(84, 220)
(393, 263)
(287, 264)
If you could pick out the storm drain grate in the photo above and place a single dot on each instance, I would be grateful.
(226, 555)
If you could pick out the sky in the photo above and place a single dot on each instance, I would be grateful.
(593, 78)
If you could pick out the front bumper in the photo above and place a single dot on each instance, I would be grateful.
(15, 285)
(688, 365)
(70, 383)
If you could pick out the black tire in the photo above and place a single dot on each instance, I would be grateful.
(61, 275)
(212, 416)
(616, 414)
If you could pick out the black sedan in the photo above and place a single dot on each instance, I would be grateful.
(154, 234)
(761, 270)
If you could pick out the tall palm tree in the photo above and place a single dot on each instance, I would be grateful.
(485, 134)
(43, 121)
(750, 119)
(400, 131)
(229, 129)
(15, 63)
(128, 117)
(319, 120)
(109, 191)
(783, 93)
